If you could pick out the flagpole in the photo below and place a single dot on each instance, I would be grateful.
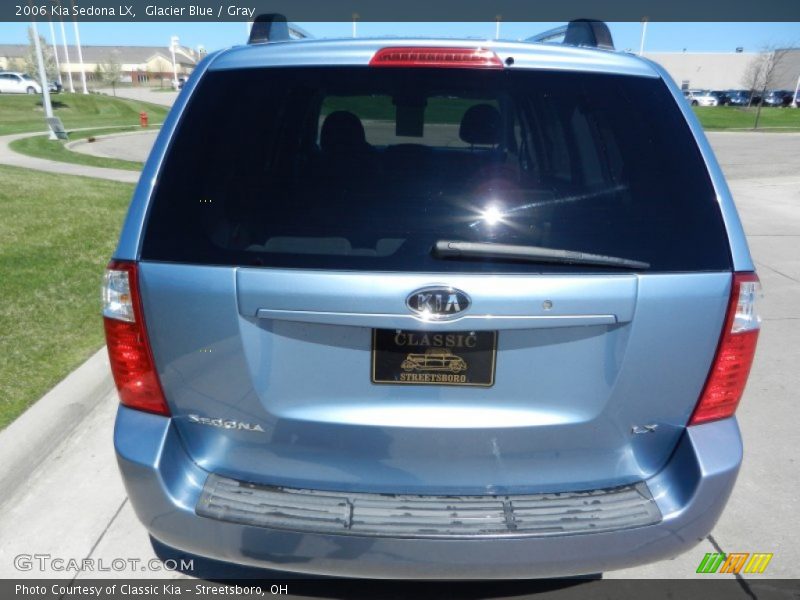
(80, 52)
(48, 108)
(55, 53)
(644, 34)
(67, 63)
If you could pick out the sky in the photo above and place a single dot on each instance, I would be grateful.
(664, 37)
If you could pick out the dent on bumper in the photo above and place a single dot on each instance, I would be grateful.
(164, 486)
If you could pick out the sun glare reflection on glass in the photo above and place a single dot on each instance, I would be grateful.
(492, 215)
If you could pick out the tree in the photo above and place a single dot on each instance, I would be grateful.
(112, 70)
(753, 75)
(31, 65)
(762, 73)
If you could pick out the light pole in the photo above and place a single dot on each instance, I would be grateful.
(80, 54)
(173, 43)
(68, 66)
(796, 98)
(48, 108)
(644, 33)
(55, 54)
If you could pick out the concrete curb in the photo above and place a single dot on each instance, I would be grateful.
(30, 439)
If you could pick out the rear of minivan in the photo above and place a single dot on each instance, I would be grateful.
(387, 310)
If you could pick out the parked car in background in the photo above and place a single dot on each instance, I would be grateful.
(738, 97)
(778, 98)
(722, 97)
(18, 83)
(456, 339)
(700, 98)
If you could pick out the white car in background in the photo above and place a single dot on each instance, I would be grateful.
(700, 98)
(18, 83)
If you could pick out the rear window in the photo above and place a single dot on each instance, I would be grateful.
(366, 168)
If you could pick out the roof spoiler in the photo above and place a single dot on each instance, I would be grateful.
(273, 27)
(580, 32)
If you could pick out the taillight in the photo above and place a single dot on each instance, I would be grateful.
(737, 346)
(472, 58)
(126, 338)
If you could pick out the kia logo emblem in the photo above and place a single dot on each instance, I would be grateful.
(437, 303)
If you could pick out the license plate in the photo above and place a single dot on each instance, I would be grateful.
(433, 357)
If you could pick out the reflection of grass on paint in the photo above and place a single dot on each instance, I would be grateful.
(41, 146)
(56, 234)
(23, 112)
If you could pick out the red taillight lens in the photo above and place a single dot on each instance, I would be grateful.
(126, 338)
(737, 346)
(471, 58)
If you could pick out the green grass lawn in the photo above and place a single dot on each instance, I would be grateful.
(41, 146)
(729, 117)
(56, 236)
(20, 113)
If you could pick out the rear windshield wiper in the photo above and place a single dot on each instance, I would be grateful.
(454, 249)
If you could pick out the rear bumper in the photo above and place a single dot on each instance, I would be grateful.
(164, 487)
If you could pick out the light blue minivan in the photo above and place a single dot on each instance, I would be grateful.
(430, 308)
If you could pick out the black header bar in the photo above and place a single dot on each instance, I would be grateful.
(401, 10)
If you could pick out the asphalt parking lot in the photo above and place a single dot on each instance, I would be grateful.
(77, 491)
